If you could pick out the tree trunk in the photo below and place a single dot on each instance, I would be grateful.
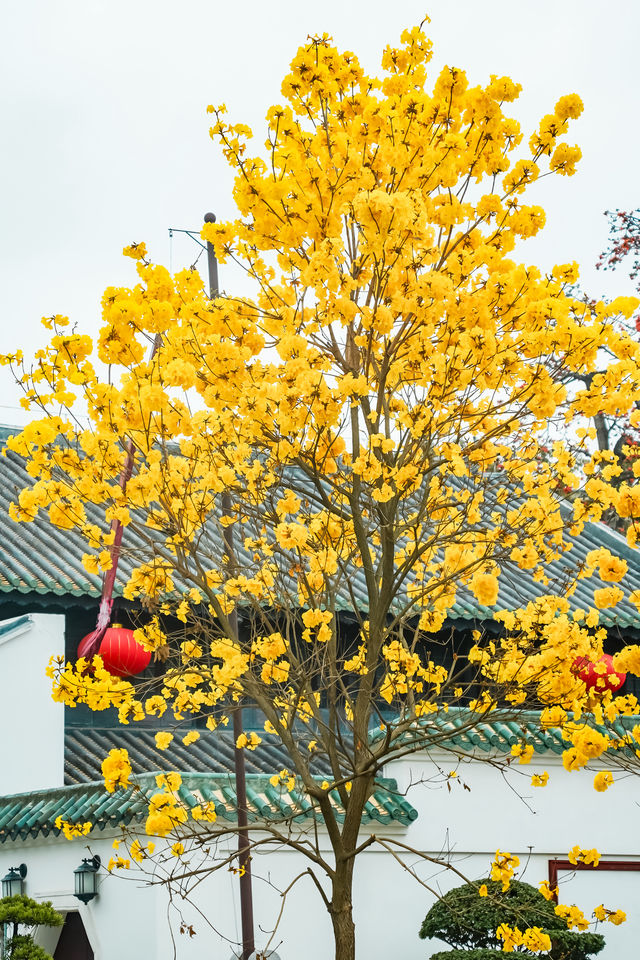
(344, 931)
(602, 434)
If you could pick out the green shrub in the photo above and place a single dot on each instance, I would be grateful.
(477, 953)
(22, 911)
(468, 922)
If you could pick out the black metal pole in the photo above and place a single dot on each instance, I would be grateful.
(244, 847)
(212, 260)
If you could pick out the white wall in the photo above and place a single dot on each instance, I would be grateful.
(130, 921)
(32, 752)
(502, 810)
(120, 922)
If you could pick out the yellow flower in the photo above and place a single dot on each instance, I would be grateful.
(165, 813)
(483, 890)
(204, 811)
(177, 849)
(522, 750)
(136, 851)
(578, 855)
(503, 868)
(603, 780)
(73, 830)
(617, 917)
(485, 588)
(248, 740)
(540, 779)
(170, 781)
(163, 739)
(137, 251)
(511, 937)
(547, 892)
(535, 940)
(569, 106)
(284, 779)
(607, 597)
(116, 770)
(572, 916)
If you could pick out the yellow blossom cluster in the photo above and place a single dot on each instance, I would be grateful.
(589, 857)
(573, 916)
(547, 891)
(166, 811)
(616, 917)
(116, 770)
(138, 852)
(286, 780)
(90, 683)
(533, 938)
(248, 740)
(73, 830)
(523, 751)
(503, 868)
(603, 780)
(540, 779)
(204, 811)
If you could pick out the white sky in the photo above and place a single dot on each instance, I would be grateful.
(103, 110)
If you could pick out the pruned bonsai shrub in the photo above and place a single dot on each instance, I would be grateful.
(468, 922)
(23, 912)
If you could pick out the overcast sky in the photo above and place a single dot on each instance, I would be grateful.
(106, 133)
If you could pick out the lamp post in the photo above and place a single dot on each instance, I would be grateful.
(244, 847)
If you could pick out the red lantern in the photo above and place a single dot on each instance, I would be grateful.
(121, 654)
(597, 679)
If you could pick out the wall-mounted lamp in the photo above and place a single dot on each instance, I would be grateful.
(86, 879)
(13, 883)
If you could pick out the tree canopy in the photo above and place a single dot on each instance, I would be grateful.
(346, 449)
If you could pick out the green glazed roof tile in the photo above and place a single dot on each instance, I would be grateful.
(33, 814)
(447, 731)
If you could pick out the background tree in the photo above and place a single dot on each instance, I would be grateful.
(624, 241)
(367, 422)
(19, 912)
(617, 436)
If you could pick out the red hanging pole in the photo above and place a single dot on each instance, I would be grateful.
(91, 643)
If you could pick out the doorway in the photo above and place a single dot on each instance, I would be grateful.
(73, 943)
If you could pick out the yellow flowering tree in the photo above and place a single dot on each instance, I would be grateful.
(344, 451)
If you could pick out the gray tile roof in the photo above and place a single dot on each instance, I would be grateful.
(85, 748)
(41, 560)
